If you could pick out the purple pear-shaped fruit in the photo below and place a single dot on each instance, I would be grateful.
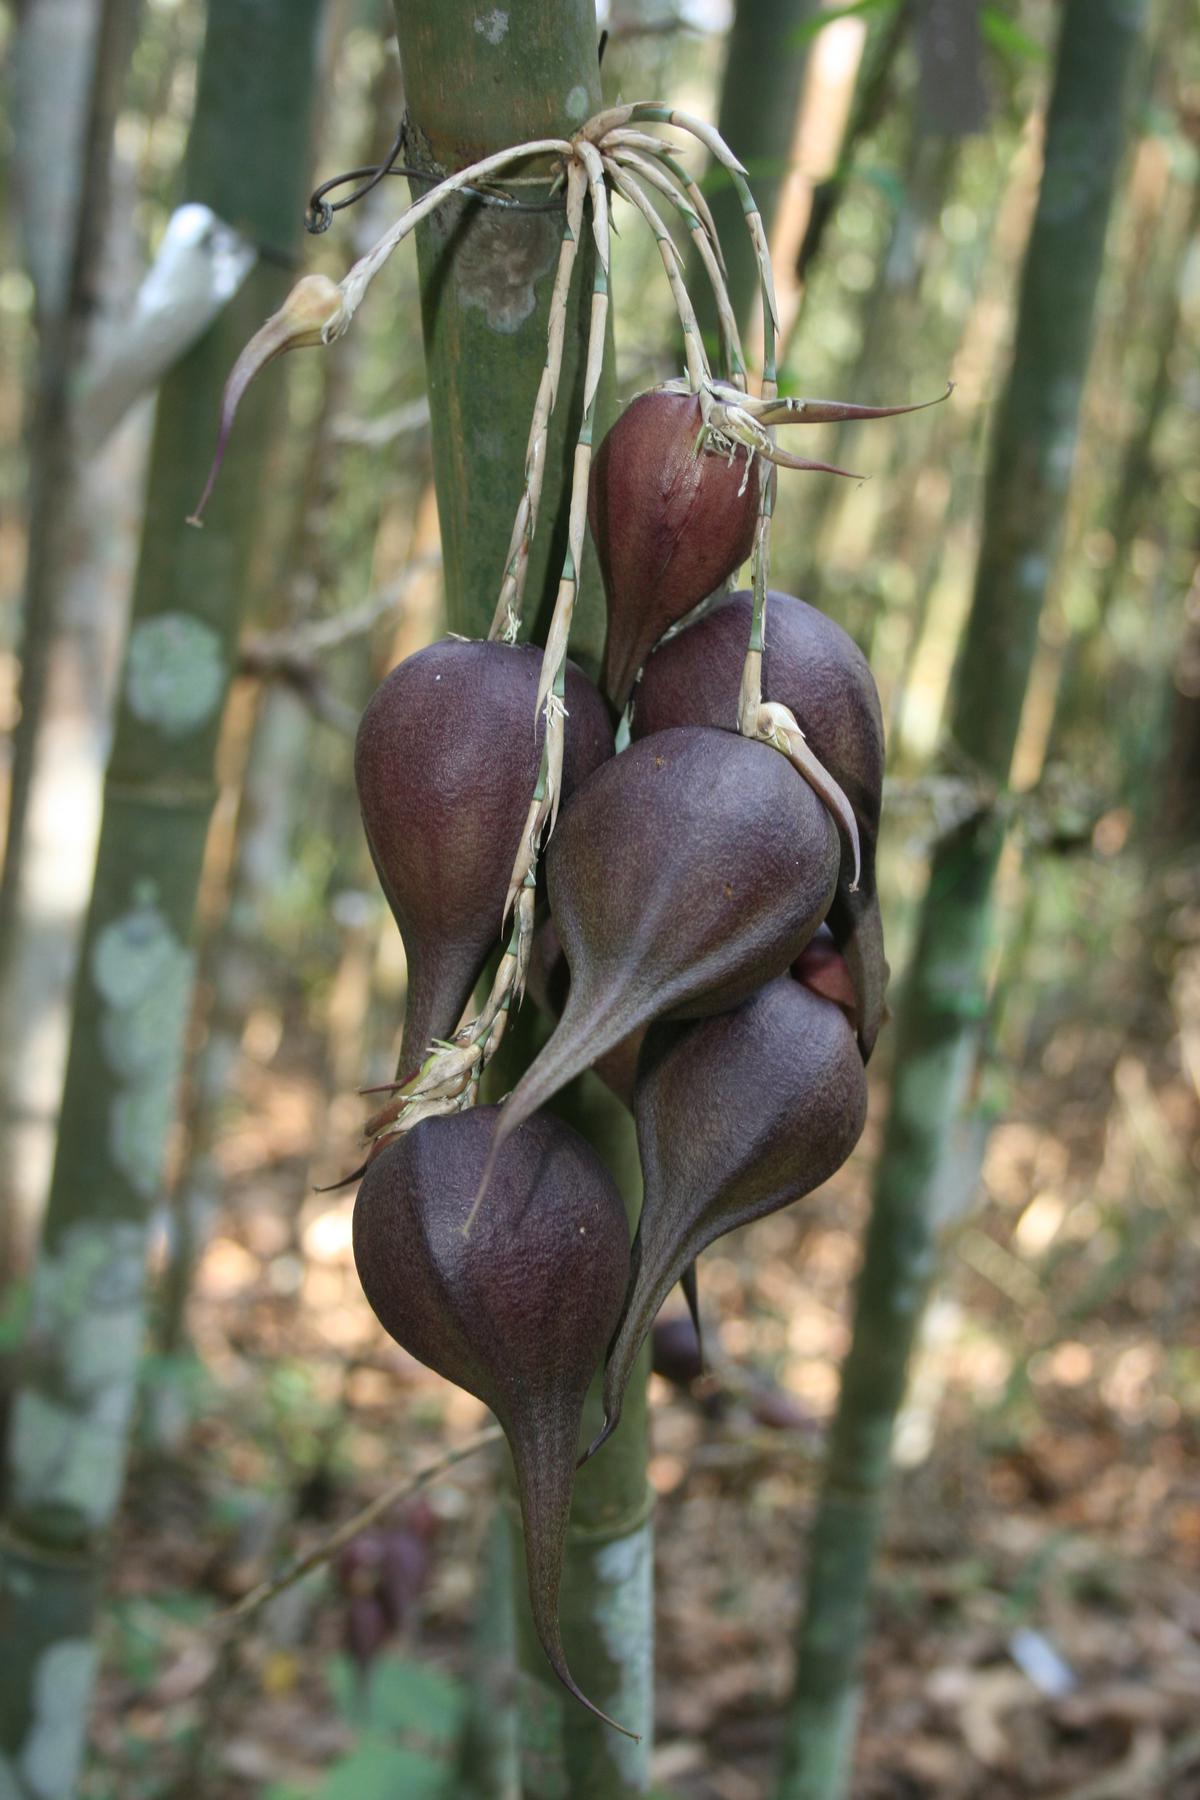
(737, 1116)
(518, 1311)
(813, 667)
(446, 762)
(671, 521)
(682, 875)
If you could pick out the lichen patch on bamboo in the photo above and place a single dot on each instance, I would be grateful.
(500, 258)
(492, 26)
(622, 1600)
(49, 1759)
(143, 975)
(87, 1319)
(175, 673)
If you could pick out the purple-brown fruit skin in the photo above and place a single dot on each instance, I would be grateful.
(671, 522)
(682, 875)
(813, 667)
(446, 763)
(547, 983)
(737, 1116)
(519, 1312)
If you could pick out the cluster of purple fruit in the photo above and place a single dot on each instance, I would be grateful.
(703, 946)
(380, 1575)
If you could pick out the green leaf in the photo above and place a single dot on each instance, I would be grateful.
(1007, 37)
(400, 1696)
(804, 34)
(378, 1770)
(412, 1698)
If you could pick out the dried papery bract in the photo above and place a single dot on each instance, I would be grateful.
(518, 1310)
(311, 315)
(671, 519)
(737, 1116)
(683, 874)
(815, 669)
(447, 755)
(319, 311)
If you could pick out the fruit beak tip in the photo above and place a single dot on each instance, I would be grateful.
(601, 1438)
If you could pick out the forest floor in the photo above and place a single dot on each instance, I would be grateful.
(1037, 1625)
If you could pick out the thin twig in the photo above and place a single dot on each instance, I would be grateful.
(328, 1547)
(314, 637)
(374, 434)
(267, 660)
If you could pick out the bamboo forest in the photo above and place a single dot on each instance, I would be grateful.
(600, 905)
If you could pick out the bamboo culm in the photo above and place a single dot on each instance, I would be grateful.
(70, 1420)
(760, 94)
(65, 106)
(943, 1003)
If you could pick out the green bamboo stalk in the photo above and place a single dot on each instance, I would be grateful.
(1084, 670)
(66, 272)
(943, 1004)
(872, 92)
(65, 102)
(760, 95)
(475, 81)
(247, 159)
(888, 319)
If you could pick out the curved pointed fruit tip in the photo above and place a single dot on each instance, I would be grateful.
(689, 1281)
(331, 1187)
(308, 316)
(783, 459)
(559, 1664)
(601, 1437)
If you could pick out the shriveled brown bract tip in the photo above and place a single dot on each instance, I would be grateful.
(307, 317)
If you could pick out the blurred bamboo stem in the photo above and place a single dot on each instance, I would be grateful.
(872, 90)
(889, 317)
(66, 103)
(267, 777)
(760, 92)
(70, 1422)
(1083, 665)
(944, 1002)
(473, 85)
